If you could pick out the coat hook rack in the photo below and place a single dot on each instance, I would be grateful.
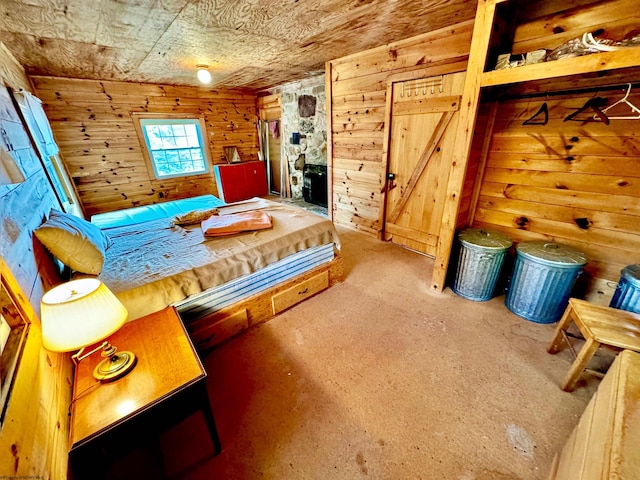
(420, 86)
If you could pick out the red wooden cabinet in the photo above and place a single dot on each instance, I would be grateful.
(255, 177)
(240, 181)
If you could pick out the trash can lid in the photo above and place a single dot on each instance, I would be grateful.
(632, 273)
(552, 252)
(484, 238)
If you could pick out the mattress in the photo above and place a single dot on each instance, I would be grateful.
(154, 264)
(147, 213)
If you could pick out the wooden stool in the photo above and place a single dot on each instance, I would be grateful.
(599, 326)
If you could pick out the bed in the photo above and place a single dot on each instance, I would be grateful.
(219, 285)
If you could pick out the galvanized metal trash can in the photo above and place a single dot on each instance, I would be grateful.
(543, 277)
(481, 257)
(627, 294)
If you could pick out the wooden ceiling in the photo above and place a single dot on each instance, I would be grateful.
(246, 43)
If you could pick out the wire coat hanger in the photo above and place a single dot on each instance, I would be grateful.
(594, 104)
(543, 110)
(628, 103)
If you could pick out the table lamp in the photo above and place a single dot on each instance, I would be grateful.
(81, 313)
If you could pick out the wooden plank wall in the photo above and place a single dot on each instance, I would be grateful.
(550, 23)
(269, 107)
(34, 434)
(576, 182)
(475, 166)
(92, 124)
(358, 86)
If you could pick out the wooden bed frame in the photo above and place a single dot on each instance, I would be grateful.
(210, 330)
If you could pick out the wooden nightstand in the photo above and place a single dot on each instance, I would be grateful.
(166, 386)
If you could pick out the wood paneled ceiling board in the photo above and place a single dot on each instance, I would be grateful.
(247, 43)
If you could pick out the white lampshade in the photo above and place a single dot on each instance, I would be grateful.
(79, 313)
(204, 76)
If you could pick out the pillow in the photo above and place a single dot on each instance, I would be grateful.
(194, 216)
(74, 241)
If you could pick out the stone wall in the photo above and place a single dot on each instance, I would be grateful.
(304, 128)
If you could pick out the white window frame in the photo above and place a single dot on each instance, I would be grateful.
(37, 124)
(141, 120)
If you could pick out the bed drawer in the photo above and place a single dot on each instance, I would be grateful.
(217, 330)
(303, 290)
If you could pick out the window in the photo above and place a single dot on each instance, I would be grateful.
(38, 125)
(175, 146)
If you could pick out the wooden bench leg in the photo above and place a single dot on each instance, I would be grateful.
(580, 363)
(564, 323)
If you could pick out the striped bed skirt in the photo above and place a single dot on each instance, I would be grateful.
(221, 296)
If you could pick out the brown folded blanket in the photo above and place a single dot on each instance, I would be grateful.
(194, 216)
(235, 223)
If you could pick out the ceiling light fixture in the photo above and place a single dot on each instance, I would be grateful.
(203, 73)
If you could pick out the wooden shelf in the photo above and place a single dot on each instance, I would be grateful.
(595, 62)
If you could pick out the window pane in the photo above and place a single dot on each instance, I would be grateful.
(153, 135)
(173, 156)
(168, 142)
(199, 166)
(165, 130)
(159, 159)
(185, 161)
(193, 142)
(178, 130)
(164, 170)
(155, 143)
(159, 156)
(152, 130)
(181, 142)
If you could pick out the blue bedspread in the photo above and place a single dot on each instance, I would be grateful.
(134, 215)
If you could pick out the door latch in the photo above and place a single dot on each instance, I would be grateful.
(391, 176)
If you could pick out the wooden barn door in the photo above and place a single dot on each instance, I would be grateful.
(424, 115)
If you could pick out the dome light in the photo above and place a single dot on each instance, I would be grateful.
(203, 73)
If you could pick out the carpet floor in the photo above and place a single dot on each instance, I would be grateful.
(379, 377)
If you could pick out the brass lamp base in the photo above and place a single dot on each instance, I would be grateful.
(114, 366)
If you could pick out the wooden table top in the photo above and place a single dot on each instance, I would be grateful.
(607, 325)
(167, 363)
